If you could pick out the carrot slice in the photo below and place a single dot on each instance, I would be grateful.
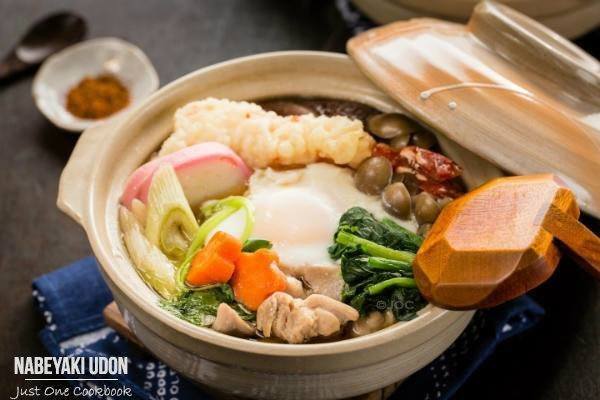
(215, 263)
(256, 277)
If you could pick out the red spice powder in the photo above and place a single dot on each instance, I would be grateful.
(99, 97)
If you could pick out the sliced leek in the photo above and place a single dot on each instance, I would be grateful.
(139, 210)
(152, 265)
(218, 212)
(170, 222)
(209, 207)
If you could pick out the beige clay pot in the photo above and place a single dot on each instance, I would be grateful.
(94, 178)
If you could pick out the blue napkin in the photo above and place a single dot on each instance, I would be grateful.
(71, 300)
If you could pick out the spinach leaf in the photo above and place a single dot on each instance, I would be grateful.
(357, 267)
(405, 303)
(350, 241)
(200, 306)
(385, 291)
(376, 258)
(251, 245)
(361, 223)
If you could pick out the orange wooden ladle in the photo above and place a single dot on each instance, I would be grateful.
(498, 242)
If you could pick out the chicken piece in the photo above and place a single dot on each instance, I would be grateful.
(321, 279)
(294, 287)
(229, 322)
(297, 320)
(372, 322)
(267, 314)
(300, 324)
(342, 311)
(327, 322)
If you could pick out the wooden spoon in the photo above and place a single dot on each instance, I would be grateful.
(497, 242)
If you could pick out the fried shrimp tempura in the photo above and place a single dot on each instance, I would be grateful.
(264, 139)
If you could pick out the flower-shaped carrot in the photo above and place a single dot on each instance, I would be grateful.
(256, 277)
(215, 263)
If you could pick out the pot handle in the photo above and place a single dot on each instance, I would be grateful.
(74, 184)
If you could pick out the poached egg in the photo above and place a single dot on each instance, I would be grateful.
(299, 210)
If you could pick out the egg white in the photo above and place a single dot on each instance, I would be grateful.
(299, 210)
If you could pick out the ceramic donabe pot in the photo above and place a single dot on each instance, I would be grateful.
(94, 179)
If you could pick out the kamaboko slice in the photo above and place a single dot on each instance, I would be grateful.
(206, 171)
(170, 222)
(152, 265)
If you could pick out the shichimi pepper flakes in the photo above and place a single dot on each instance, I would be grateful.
(99, 97)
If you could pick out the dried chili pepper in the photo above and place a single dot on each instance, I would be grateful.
(435, 174)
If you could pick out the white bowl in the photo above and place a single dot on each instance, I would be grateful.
(65, 69)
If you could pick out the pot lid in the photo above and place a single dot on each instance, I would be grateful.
(503, 86)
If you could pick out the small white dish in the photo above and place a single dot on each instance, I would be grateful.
(65, 69)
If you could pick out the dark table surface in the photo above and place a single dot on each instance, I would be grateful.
(559, 359)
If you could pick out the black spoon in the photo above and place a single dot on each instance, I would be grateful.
(43, 39)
